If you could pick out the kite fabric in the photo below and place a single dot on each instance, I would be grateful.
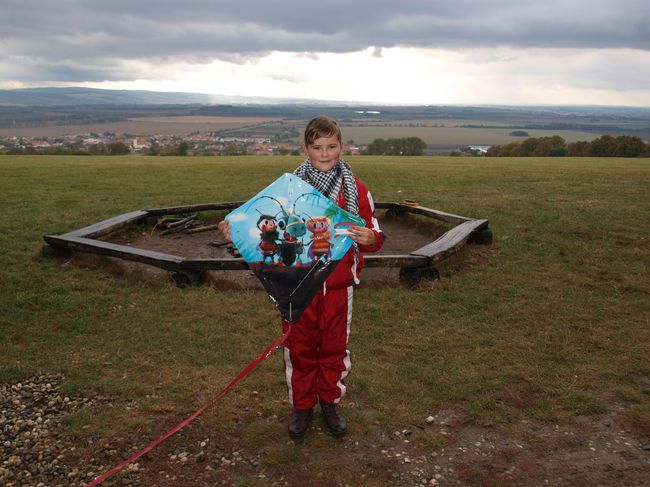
(292, 237)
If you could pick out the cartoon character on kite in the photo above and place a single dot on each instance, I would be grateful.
(291, 248)
(305, 230)
(268, 227)
(320, 237)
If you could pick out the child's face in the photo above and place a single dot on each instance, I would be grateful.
(324, 153)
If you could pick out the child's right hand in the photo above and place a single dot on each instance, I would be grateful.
(224, 228)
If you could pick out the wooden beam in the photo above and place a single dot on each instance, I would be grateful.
(400, 260)
(436, 214)
(450, 242)
(158, 259)
(108, 226)
(385, 205)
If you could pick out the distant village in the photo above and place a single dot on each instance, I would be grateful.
(192, 144)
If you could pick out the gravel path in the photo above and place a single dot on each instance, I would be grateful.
(31, 452)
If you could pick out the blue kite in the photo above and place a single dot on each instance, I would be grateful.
(292, 237)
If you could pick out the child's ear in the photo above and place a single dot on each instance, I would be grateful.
(304, 149)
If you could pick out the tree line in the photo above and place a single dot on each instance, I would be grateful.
(405, 146)
(556, 146)
(112, 149)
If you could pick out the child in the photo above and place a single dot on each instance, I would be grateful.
(316, 357)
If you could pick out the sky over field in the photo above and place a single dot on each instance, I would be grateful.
(406, 52)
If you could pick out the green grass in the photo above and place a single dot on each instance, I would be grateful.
(550, 322)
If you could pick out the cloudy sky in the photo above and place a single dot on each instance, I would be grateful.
(407, 51)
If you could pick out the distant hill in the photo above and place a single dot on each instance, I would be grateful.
(32, 108)
(92, 96)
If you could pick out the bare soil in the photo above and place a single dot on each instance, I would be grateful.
(591, 452)
(404, 234)
(440, 450)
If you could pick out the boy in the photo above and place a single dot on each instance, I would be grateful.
(316, 357)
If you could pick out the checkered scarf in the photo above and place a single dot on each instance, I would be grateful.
(329, 183)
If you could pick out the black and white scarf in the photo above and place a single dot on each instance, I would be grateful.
(329, 183)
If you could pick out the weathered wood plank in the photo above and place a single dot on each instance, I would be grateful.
(178, 210)
(438, 215)
(159, 259)
(450, 242)
(399, 260)
(108, 226)
(384, 205)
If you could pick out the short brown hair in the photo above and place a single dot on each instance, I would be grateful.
(322, 127)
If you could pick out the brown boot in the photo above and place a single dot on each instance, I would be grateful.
(299, 423)
(334, 418)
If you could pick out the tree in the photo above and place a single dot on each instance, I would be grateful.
(405, 146)
(182, 148)
(118, 148)
(550, 146)
(628, 146)
(527, 147)
(603, 146)
(582, 148)
(231, 150)
(377, 147)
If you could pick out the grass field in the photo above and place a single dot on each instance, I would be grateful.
(550, 324)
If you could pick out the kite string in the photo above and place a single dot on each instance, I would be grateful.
(313, 267)
(279, 341)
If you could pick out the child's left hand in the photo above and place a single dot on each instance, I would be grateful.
(362, 235)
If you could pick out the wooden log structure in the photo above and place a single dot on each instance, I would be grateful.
(400, 208)
(85, 240)
(450, 242)
(109, 226)
(166, 261)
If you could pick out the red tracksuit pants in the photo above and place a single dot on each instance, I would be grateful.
(316, 355)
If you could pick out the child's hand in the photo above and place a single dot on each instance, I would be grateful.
(224, 227)
(362, 235)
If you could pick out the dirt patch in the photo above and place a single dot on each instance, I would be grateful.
(441, 450)
(404, 234)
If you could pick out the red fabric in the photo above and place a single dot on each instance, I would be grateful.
(316, 356)
(346, 273)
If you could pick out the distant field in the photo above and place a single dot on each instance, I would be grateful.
(208, 120)
(456, 135)
(141, 126)
(443, 133)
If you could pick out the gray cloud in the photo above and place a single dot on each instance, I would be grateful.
(88, 39)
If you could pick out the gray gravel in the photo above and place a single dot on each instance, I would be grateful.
(31, 454)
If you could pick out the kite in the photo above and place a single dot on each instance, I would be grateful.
(292, 237)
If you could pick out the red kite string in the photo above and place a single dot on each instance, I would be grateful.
(279, 341)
